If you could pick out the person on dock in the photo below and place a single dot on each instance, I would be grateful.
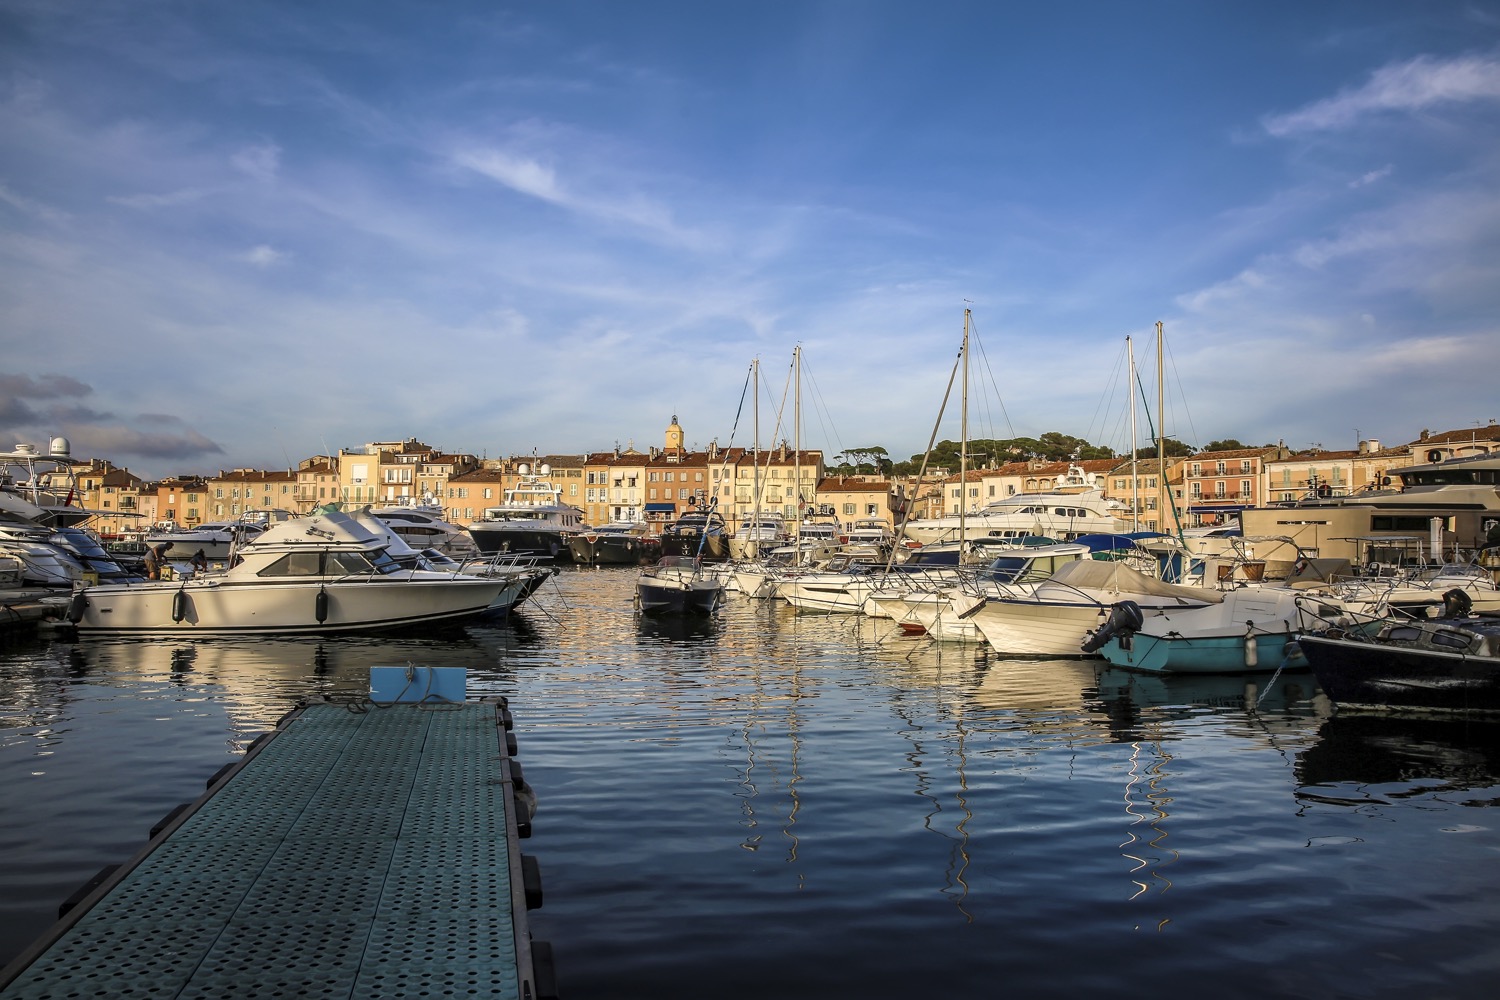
(156, 557)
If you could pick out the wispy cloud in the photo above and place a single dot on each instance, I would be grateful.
(260, 162)
(1366, 179)
(530, 177)
(31, 207)
(1421, 83)
(262, 256)
(149, 201)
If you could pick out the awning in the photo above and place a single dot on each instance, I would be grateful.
(660, 508)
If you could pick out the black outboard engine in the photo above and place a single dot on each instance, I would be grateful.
(1125, 620)
(1457, 604)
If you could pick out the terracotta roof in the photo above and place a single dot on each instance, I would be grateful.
(1488, 433)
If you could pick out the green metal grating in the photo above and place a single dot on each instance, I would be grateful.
(364, 855)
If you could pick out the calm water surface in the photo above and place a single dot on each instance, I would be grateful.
(808, 806)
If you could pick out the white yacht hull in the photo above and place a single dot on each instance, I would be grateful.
(228, 607)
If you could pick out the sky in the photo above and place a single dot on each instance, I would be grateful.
(236, 235)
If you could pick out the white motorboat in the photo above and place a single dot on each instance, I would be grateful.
(870, 531)
(39, 562)
(1052, 618)
(321, 574)
(843, 584)
(942, 603)
(678, 585)
(758, 536)
(422, 526)
(521, 573)
(532, 519)
(1076, 507)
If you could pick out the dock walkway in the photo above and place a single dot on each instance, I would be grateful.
(356, 851)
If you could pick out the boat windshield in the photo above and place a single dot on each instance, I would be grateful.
(316, 564)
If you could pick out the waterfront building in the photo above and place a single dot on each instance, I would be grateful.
(851, 498)
(1141, 489)
(387, 472)
(317, 483)
(240, 492)
(1220, 484)
(182, 500)
(116, 494)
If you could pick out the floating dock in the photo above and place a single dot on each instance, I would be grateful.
(360, 850)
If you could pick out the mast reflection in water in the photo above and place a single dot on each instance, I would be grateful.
(769, 803)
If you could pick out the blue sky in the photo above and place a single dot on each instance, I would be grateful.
(239, 234)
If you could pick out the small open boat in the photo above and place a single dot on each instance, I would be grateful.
(678, 585)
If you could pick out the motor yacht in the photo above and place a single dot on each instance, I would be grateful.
(322, 574)
(532, 519)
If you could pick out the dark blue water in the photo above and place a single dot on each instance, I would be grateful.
(812, 807)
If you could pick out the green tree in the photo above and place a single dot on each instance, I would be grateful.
(1174, 449)
(1228, 444)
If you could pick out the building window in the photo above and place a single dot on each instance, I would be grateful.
(1244, 487)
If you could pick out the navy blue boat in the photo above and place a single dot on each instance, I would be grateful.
(1449, 665)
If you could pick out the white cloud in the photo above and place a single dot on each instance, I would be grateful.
(1421, 83)
(1371, 177)
(30, 206)
(146, 201)
(261, 161)
(522, 175)
(262, 256)
(530, 177)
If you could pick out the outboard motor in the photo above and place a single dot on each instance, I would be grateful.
(1457, 604)
(1125, 620)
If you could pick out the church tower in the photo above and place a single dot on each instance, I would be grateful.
(674, 435)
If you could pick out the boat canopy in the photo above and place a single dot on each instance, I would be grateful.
(1095, 575)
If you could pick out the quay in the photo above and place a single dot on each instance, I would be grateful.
(24, 610)
(362, 849)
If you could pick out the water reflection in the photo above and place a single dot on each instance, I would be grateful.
(1130, 700)
(683, 629)
(828, 784)
(1361, 759)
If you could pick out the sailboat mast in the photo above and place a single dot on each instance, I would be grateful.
(1135, 482)
(963, 446)
(1161, 432)
(755, 452)
(797, 436)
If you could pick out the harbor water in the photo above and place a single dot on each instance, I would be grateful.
(774, 804)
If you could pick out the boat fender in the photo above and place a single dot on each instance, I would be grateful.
(1457, 604)
(1125, 619)
(179, 605)
(76, 605)
(1252, 652)
(320, 606)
